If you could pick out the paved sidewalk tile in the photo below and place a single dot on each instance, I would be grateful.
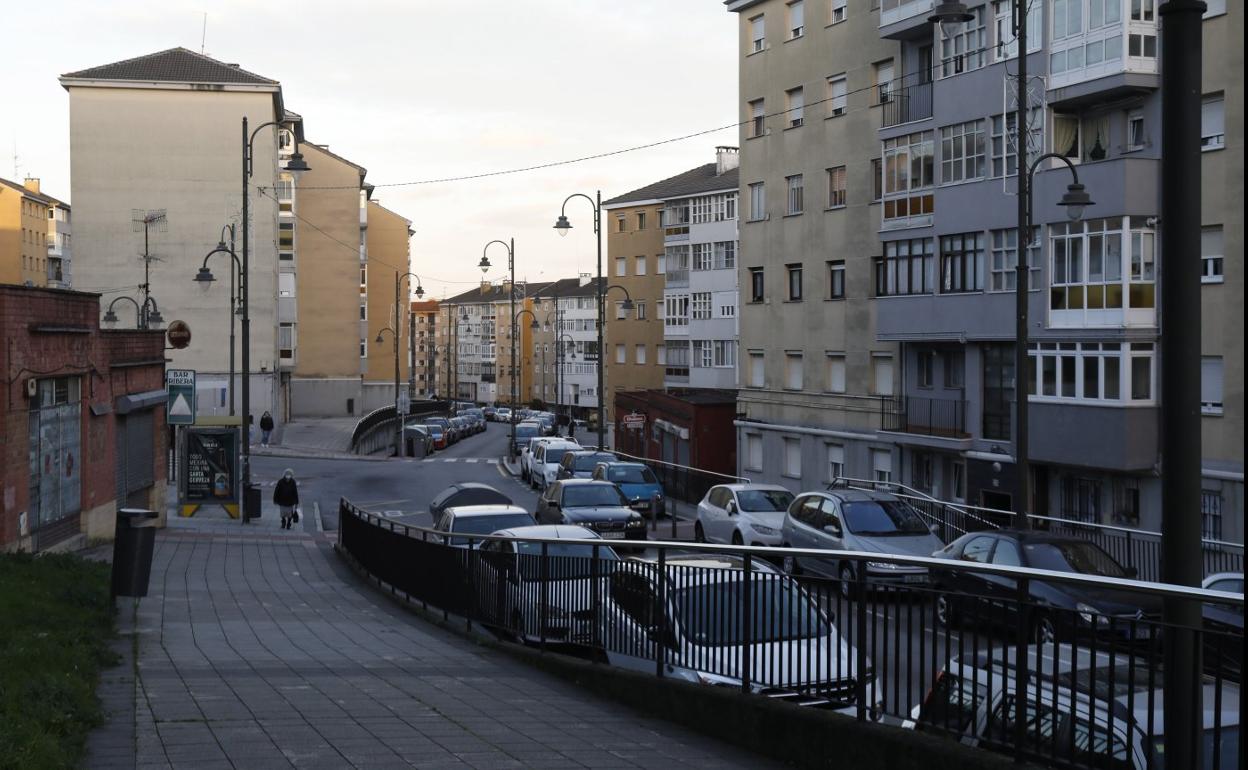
(257, 647)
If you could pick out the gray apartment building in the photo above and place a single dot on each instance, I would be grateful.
(931, 288)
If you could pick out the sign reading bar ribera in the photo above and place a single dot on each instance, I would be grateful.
(210, 466)
(180, 385)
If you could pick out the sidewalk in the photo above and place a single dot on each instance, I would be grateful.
(258, 648)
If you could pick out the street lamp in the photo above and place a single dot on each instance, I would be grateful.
(562, 225)
(560, 376)
(484, 264)
(420, 293)
(147, 315)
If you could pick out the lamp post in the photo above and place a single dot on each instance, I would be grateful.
(233, 312)
(296, 165)
(485, 265)
(560, 377)
(395, 331)
(563, 226)
(146, 314)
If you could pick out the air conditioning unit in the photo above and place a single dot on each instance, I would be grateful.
(32, 387)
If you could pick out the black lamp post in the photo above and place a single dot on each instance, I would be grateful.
(560, 377)
(563, 226)
(485, 265)
(395, 331)
(147, 315)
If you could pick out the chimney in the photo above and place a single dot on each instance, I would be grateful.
(726, 159)
(32, 184)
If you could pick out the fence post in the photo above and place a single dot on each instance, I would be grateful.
(596, 602)
(469, 560)
(659, 629)
(747, 622)
(1021, 673)
(860, 618)
(543, 605)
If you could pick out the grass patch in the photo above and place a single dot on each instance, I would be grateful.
(56, 620)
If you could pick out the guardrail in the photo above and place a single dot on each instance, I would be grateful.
(1138, 549)
(375, 430)
(682, 482)
(986, 654)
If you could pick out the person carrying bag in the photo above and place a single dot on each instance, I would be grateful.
(286, 498)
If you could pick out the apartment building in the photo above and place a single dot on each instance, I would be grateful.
(813, 376)
(577, 343)
(34, 235)
(162, 132)
(423, 325)
(387, 252)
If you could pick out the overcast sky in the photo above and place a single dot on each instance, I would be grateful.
(413, 90)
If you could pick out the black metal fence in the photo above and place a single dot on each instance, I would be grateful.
(1008, 659)
(681, 482)
(375, 430)
(907, 104)
(925, 416)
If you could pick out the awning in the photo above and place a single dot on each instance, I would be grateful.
(134, 401)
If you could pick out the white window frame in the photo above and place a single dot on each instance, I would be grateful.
(838, 193)
(966, 50)
(1211, 254)
(837, 11)
(758, 201)
(758, 369)
(836, 372)
(963, 152)
(1212, 122)
(794, 370)
(758, 33)
(1212, 384)
(792, 457)
(838, 95)
(795, 107)
(797, 18)
(795, 199)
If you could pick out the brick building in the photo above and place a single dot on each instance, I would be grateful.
(83, 416)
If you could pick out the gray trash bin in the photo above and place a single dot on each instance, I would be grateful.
(251, 501)
(133, 541)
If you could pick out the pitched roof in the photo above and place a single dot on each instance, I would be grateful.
(176, 65)
(564, 287)
(696, 180)
(29, 193)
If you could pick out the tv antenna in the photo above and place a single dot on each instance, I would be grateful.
(146, 220)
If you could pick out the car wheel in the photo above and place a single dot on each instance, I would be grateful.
(944, 611)
(737, 539)
(846, 578)
(789, 565)
(1043, 631)
(699, 534)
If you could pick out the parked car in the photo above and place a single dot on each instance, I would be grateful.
(446, 426)
(502, 414)
(439, 435)
(857, 520)
(742, 514)
(696, 609)
(524, 432)
(457, 524)
(1082, 708)
(526, 456)
(599, 505)
(512, 579)
(490, 413)
(1060, 604)
(466, 493)
(637, 482)
(461, 426)
(547, 421)
(1224, 644)
(580, 464)
(544, 467)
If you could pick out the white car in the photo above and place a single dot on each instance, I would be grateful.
(544, 467)
(742, 514)
(526, 455)
(458, 524)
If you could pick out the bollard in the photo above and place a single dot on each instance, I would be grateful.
(134, 538)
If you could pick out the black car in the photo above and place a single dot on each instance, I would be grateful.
(1060, 609)
(580, 465)
(598, 505)
(466, 493)
(524, 432)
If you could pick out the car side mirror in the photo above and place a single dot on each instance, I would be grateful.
(834, 529)
(732, 508)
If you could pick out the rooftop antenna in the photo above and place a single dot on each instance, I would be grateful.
(146, 220)
(203, 37)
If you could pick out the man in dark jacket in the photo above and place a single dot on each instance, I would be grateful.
(286, 497)
(266, 428)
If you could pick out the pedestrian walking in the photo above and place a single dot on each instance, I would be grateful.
(266, 428)
(286, 498)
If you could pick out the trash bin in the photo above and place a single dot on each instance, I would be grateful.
(251, 501)
(133, 540)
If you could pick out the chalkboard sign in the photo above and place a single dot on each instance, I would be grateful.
(210, 466)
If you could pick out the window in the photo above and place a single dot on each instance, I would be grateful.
(1087, 271)
(882, 465)
(905, 268)
(1211, 384)
(660, 264)
(961, 263)
(962, 152)
(363, 348)
(621, 354)
(998, 379)
(836, 187)
(877, 179)
(756, 284)
(758, 118)
(836, 461)
(1211, 254)
(725, 255)
(908, 179)
(797, 19)
(882, 371)
(1066, 140)
(1094, 134)
(639, 310)
(793, 458)
(927, 368)
(796, 106)
(725, 354)
(1003, 266)
(701, 305)
(285, 235)
(838, 11)
(621, 266)
(639, 265)
(967, 48)
(1004, 154)
(795, 282)
(702, 256)
(641, 220)
(285, 284)
(754, 451)
(676, 312)
(363, 311)
(838, 95)
(639, 354)
(792, 370)
(1091, 371)
(795, 188)
(757, 34)
(1136, 140)
(955, 363)
(1004, 42)
(1211, 514)
(758, 201)
(728, 311)
(1212, 122)
(836, 279)
(756, 369)
(836, 372)
(619, 223)
(883, 72)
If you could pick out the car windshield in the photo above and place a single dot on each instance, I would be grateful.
(764, 500)
(1226, 739)
(570, 561)
(484, 525)
(436, 429)
(1073, 556)
(592, 495)
(525, 431)
(632, 474)
(587, 462)
(712, 614)
(882, 517)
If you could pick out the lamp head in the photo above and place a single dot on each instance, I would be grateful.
(154, 318)
(379, 339)
(534, 325)
(1075, 199)
(627, 304)
(221, 246)
(204, 279)
(484, 264)
(109, 319)
(420, 291)
(563, 225)
(950, 14)
(296, 164)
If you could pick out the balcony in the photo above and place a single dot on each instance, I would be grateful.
(1110, 437)
(938, 417)
(901, 19)
(677, 278)
(906, 105)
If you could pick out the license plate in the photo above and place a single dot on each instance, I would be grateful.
(914, 579)
(641, 506)
(612, 535)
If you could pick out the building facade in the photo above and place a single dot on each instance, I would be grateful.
(423, 326)
(30, 221)
(60, 245)
(388, 252)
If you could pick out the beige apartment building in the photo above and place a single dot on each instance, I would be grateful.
(26, 233)
(635, 262)
(423, 325)
(812, 376)
(389, 259)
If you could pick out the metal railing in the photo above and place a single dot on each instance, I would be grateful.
(987, 654)
(908, 104)
(375, 430)
(1136, 549)
(926, 416)
(680, 482)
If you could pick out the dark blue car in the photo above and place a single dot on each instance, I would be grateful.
(636, 481)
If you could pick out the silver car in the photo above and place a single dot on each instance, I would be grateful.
(857, 520)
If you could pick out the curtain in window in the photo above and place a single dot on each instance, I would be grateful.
(1096, 137)
(1066, 136)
